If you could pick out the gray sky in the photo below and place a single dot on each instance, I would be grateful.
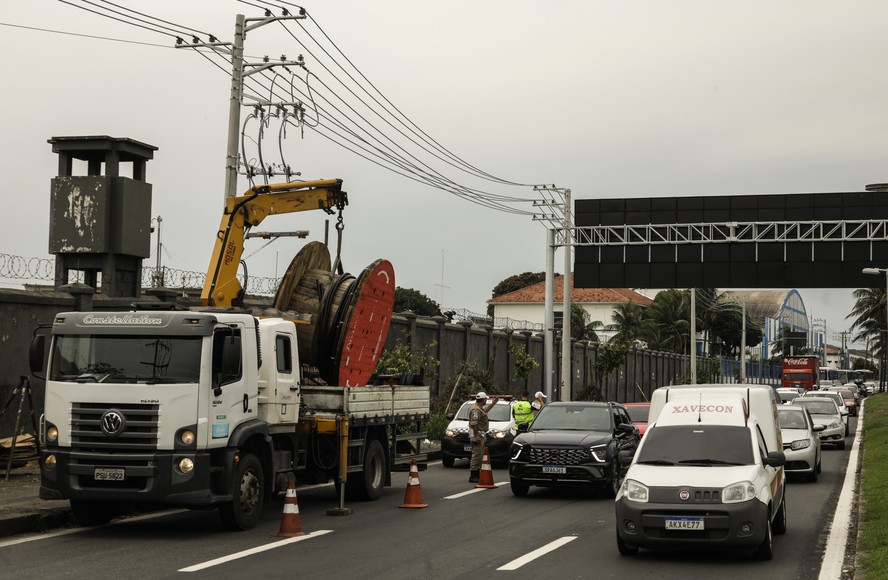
(610, 99)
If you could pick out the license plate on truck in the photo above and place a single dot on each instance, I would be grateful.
(554, 469)
(684, 523)
(109, 474)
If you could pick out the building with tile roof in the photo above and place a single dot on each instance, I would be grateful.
(529, 303)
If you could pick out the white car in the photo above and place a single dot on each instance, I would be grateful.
(455, 443)
(801, 440)
(840, 403)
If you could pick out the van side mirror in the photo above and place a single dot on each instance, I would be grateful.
(774, 459)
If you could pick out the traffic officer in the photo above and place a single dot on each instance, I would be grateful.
(539, 401)
(522, 410)
(479, 423)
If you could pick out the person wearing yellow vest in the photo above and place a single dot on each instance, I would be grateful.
(522, 410)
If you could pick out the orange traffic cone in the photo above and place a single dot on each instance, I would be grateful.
(291, 524)
(486, 477)
(413, 495)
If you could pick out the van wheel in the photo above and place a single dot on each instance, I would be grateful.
(765, 550)
(245, 509)
(624, 548)
(780, 518)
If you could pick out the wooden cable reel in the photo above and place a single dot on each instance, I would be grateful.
(350, 316)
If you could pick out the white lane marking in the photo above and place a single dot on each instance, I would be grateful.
(251, 551)
(529, 557)
(473, 490)
(834, 555)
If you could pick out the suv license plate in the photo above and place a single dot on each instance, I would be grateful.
(554, 469)
(109, 474)
(684, 523)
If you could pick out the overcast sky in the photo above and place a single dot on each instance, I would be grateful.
(609, 99)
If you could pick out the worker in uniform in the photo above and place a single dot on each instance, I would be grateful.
(522, 410)
(539, 401)
(479, 423)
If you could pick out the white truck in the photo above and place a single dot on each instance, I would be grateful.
(709, 471)
(206, 408)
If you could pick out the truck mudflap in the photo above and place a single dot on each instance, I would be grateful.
(130, 477)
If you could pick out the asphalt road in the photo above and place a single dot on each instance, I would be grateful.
(464, 533)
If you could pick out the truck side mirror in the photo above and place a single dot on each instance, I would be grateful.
(36, 352)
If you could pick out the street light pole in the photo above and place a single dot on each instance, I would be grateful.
(882, 377)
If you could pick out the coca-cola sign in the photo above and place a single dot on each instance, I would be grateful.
(797, 362)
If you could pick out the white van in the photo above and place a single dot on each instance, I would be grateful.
(709, 471)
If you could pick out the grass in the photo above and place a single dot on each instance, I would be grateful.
(873, 512)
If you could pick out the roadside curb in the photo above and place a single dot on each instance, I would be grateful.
(40, 521)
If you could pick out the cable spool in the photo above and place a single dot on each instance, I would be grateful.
(350, 316)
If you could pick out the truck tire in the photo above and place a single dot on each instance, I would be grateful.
(93, 513)
(244, 511)
(367, 485)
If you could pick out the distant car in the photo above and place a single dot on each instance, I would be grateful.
(455, 443)
(801, 440)
(824, 411)
(638, 412)
(840, 403)
(848, 397)
(787, 394)
(871, 387)
(572, 444)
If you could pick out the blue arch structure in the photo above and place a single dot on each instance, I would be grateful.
(792, 315)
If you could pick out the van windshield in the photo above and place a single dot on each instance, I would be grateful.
(697, 445)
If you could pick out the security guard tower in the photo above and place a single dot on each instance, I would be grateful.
(100, 223)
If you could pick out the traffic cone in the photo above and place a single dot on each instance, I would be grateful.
(413, 495)
(291, 524)
(486, 478)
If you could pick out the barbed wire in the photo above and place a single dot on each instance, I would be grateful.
(43, 269)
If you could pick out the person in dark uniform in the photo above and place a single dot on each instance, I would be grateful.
(479, 423)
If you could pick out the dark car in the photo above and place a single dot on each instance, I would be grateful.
(574, 444)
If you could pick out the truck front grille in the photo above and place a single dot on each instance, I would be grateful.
(138, 431)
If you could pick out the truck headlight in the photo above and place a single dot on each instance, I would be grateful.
(186, 437)
(599, 452)
(185, 465)
(634, 491)
(737, 492)
(52, 434)
(800, 444)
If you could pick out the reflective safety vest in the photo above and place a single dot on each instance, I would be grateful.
(523, 412)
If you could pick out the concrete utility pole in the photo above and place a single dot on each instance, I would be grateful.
(693, 336)
(549, 319)
(743, 343)
(158, 272)
(565, 319)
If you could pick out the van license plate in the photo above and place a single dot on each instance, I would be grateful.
(109, 474)
(554, 469)
(684, 523)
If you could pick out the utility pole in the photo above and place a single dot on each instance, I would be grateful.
(158, 271)
(566, 367)
(693, 336)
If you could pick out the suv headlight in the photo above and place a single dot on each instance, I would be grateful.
(599, 452)
(800, 444)
(516, 451)
(737, 492)
(634, 491)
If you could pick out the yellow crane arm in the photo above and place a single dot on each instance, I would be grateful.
(221, 287)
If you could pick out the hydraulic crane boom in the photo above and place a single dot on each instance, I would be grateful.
(221, 287)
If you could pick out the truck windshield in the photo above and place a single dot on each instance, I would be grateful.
(697, 445)
(126, 359)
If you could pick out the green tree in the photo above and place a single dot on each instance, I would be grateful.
(627, 321)
(415, 301)
(667, 321)
(869, 318)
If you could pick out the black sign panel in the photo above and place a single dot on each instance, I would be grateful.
(700, 262)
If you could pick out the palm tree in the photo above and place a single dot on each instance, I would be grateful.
(627, 321)
(580, 326)
(869, 321)
(667, 321)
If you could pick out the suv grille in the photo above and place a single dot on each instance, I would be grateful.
(570, 456)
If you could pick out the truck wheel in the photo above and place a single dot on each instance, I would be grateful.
(519, 488)
(780, 519)
(447, 460)
(244, 511)
(93, 513)
(765, 550)
(624, 548)
(367, 485)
